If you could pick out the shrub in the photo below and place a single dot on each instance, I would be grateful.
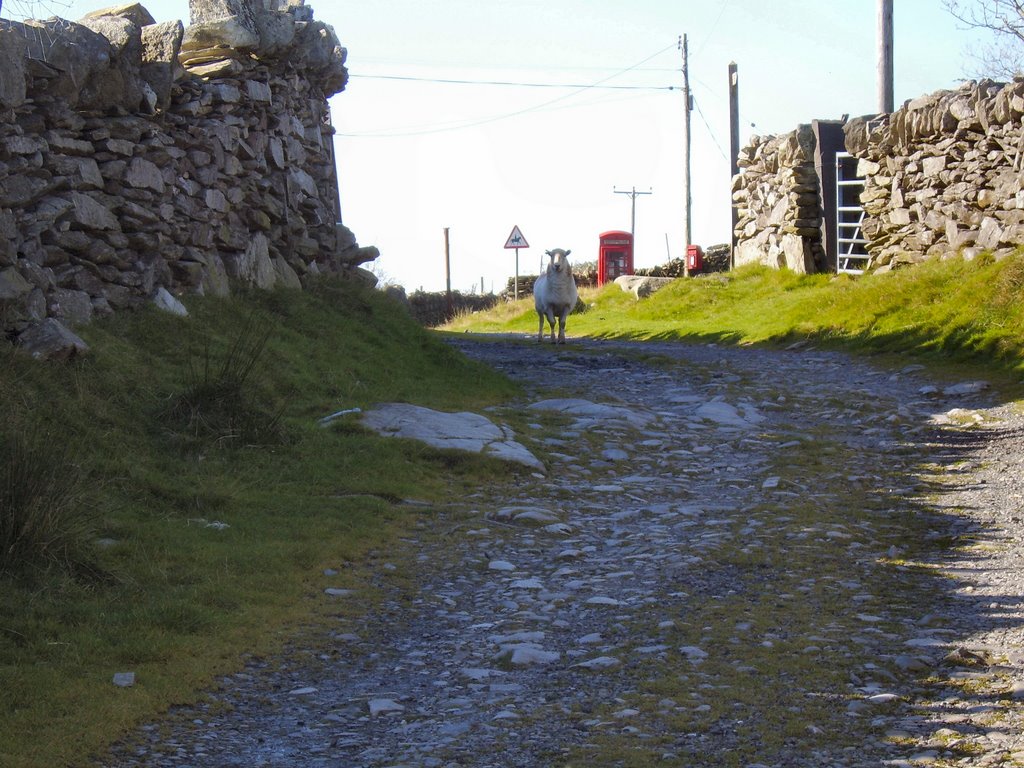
(43, 518)
(219, 403)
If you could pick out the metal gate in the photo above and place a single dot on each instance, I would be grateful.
(851, 256)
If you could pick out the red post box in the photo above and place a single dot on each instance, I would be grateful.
(694, 258)
(614, 256)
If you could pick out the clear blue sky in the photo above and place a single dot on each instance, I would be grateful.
(416, 156)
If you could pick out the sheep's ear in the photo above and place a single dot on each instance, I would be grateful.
(548, 253)
(568, 252)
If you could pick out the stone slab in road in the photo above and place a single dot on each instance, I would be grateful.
(454, 431)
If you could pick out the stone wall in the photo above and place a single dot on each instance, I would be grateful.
(136, 156)
(943, 174)
(942, 177)
(431, 309)
(777, 197)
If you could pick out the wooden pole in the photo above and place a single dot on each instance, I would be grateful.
(886, 101)
(448, 273)
(632, 217)
(734, 150)
(687, 106)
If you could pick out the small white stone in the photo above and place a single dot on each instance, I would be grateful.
(541, 516)
(601, 662)
(882, 698)
(966, 388)
(602, 600)
(526, 655)
(527, 584)
(559, 529)
(693, 653)
(924, 642)
(302, 691)
(124, 679)
(500, 565)
(383, 707)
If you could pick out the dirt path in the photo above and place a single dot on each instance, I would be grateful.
(754, 558)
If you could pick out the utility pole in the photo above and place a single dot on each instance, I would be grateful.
(687, 106)
(734, 151)
(448, 274)
(632, 220)
(885, 67)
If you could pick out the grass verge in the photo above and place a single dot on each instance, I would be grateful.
(957, 313)
(199, 501)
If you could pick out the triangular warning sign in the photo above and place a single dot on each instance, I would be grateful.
(516, 239)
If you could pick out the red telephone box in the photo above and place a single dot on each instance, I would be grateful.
(615, 256)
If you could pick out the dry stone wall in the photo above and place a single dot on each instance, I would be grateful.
(943, 174)
(777, 197)
(137, 155)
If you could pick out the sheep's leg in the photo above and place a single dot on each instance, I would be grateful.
(540, 332)
(551, 322)
(561, 327)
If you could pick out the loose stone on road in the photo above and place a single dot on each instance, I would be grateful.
(736, 557)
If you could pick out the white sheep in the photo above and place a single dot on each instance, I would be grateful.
(554, 294)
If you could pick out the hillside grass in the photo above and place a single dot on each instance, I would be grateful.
(963, 316)
(170, 425)
(125, 458)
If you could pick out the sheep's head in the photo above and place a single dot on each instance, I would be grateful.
(559, 260)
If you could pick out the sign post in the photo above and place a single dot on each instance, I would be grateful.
(517, 241)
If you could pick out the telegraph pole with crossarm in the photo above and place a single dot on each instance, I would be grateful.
(632, 221)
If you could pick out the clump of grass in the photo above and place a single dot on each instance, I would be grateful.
(44, 520)
(1009, 284)
(219, 404)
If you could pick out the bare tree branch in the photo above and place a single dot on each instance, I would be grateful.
(1004, 57)
(34, 9)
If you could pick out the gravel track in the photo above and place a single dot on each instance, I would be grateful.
(767, 558)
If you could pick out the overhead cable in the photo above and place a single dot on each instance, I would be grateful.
(507, 115)
(448, 81)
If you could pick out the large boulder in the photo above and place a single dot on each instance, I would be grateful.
(77, 57)
(133, 12)
(50, 340)
(122, 86)
(641, 286)
(318, 49)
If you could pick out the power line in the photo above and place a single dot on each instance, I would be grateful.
(448, 81)
(710, 132)
(714, 27)
(505, 116)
